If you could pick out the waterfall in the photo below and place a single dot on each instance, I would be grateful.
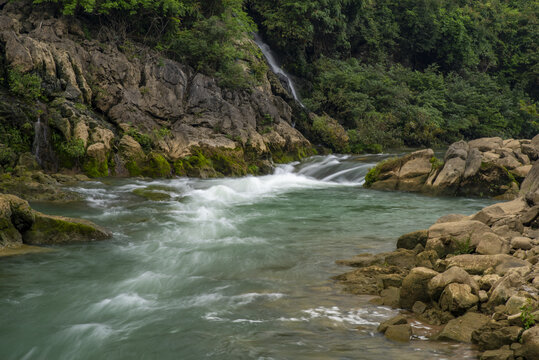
(41, 143)
(271, 59)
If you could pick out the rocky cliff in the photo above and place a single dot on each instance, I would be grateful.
(106, 105)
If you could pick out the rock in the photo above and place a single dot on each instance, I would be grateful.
(390, 296)
(451, 218)
(457, 149)
(529, 217)
(478, 264)
(461, 328)
(505, 288)
(493, 213)
(457, 298)
(80, 132)
(48, 229)
(130, 148)
(401, 333)
(492, 244)
(531, 182)
(455, 234)
(447, 180)
(486, 144)
(521, 242)
(530, 343)
(414, 286)
(453, 275)
(396, 320)
(500, 354)
(419, 307)
(427, 259)
(508, 162)
(483, 296)
(531, 151)
(516, 302)
(487, 281)
(494, 335)
(410, 240)
(473, 163)
(521, 172)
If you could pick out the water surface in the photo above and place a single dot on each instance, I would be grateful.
(224, 269)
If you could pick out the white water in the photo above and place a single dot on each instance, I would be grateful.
(276, 68)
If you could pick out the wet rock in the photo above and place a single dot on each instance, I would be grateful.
(500, 354)
(461, 328)
(457, 298)
(48, 229)
(494, 335)
(410, 240)
(396, 320)
(415, 285)
(390, 296)
(419, 307)
(400, 333)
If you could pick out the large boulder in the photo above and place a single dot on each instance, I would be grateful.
(48, 230)
(453, 275)
(449, 237)
(478, 264)
(415, 286)
(457, 298)
(411, 240)
(530, 343)
(493, 335)
(486, 144)
(531, 182)
(461, 328)
(15, 217)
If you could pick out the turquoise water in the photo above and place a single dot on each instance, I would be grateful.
(225, 269)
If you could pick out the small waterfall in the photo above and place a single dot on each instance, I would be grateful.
(40, 147)
(271, 59)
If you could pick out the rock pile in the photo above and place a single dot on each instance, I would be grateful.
(477, 275)
(484, 167)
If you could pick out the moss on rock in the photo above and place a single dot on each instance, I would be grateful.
(94, 168)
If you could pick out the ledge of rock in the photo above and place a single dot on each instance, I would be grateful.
(21, 226)
(486, 167)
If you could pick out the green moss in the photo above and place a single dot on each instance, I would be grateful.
(133, 168)
(372, 176)
(157, 166)
(374, 173)
(151, 195)
(94, 169)
(281, 156)
(436, 163)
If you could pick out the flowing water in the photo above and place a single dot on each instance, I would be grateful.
(276, 68)
(224, 269)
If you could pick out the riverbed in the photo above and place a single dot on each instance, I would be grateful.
(233, 268)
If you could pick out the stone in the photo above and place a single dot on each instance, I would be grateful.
(448, 178)
(473, 163)
(531, 182)
(486, 144)
(419, 307)
(530, 343)
(521, 242)
(457, 298)
(457, 149)
(452, 233)
(80, 132)
(451, 218)
(396, 320)
(48, 229)
(492, 244)
(414, 286)
(478, 264)
(500, 354)
(494, 335)
(521, 172)
(516, 302)
(505, 288)
(461, 328)
(400, 333)
(390, 296)
(483, 296)
(487, 281)
(453, 275)
(409, 241)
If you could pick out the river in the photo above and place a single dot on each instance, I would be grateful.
(233, 268)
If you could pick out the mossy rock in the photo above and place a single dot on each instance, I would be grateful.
(151, 195)
(157, 166)
(95, 169)
(49, 229)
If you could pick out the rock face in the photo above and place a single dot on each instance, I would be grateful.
(118, 104)
(487, 167)
(20, 225)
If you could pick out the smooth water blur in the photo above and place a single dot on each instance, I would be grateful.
(225, 269)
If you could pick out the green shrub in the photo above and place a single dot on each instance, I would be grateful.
(26, 85)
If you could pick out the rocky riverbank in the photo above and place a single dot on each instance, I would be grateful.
(471, 278)
(21, 227)
(486, 167)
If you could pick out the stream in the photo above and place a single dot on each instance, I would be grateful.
(231, 268)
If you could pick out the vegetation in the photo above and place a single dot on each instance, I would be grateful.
(412, 72)
(526, 314)
(26, 85)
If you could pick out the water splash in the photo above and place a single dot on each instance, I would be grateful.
(273, 63)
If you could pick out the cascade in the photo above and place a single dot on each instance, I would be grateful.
(275, 68)
(41, 146)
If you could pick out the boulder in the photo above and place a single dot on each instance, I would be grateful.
(451, 218)
(486, 144)
(48, 229)
(504, 288)
(499, 354)
(478, 264)
(521, 242)
(396, 320)
(461, 328)
(453, 234)
(458, 149)
(410, 240)
(473, 163)
(531, 182)
(447, 180)
(453, 275)
(414, 286)
(400, 333)
(457, 298)
(530, 343)
(521, 172)
(390, 296)
(494, 335)
(492, 244)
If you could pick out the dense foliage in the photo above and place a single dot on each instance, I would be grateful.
(413, 71)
